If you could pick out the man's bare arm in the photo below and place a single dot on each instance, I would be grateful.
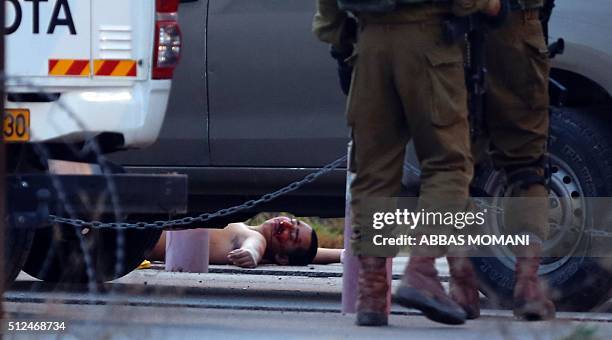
(251, 251)
(327, 255)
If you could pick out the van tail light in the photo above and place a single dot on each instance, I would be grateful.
(167, 48)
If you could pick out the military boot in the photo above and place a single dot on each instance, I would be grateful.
(372, 290)
(531, 301)
(421, 289)
(464, 286)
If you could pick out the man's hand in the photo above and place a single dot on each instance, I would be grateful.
(493, 8)
(242, 258)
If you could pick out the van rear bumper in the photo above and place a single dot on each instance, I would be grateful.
(35, 196)
(135, 111)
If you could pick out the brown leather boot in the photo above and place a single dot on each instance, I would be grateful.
(531, 301)
(421, 289)
(464, 286)
(372, 291)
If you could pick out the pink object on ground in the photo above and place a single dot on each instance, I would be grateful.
(350, 265)
(187, 251)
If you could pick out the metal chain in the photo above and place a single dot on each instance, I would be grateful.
(182, 223)
(186, 222)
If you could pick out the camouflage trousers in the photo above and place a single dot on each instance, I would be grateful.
(517, 117)
(407, 85)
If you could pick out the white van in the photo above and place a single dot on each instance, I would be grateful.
(78, 69)
(83, 73)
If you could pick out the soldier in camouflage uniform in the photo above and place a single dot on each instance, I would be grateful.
(517, 120)
(407, 85)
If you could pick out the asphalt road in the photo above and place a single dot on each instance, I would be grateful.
(270, 303)
(135, 322)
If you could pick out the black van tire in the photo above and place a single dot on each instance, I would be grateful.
(17, 241)
(17, 244)
(58, 252)
(57, 255)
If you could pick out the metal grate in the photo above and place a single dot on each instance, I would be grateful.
(115, 42)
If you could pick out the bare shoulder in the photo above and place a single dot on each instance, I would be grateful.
(237, 228)
(241, 230)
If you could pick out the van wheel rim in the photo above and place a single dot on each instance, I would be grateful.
(567, 217)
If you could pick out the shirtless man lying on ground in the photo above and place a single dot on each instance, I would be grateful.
(280, 240)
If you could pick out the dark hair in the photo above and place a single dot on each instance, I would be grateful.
(304, 257)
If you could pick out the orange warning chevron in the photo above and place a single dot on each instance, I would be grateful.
(115, 68)
(69, 67)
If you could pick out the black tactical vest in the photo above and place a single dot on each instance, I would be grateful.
(379, 5)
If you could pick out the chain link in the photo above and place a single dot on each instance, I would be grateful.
(187, 222)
